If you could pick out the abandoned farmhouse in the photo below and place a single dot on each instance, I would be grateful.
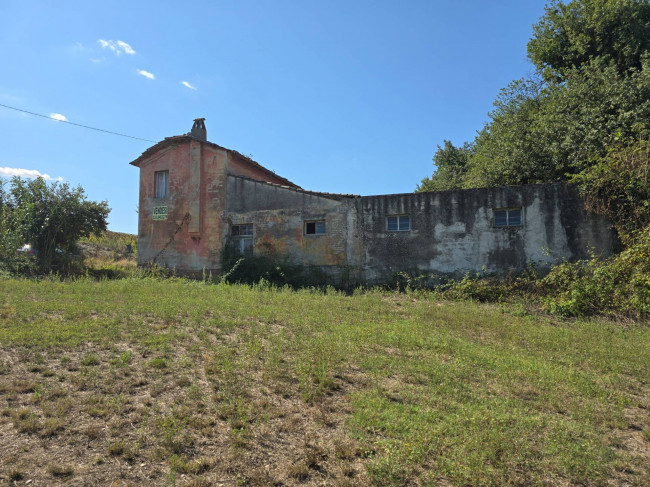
(196, 197)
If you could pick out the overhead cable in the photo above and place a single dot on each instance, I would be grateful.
(76, 124)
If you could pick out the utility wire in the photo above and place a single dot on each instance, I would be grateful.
(77, 124)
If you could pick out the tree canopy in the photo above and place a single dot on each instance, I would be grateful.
(49, 216)
(590, 92)
(570, 35)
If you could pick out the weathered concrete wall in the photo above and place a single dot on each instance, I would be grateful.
(279, 214)
(452, 232)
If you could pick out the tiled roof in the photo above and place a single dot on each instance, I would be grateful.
(176, 139)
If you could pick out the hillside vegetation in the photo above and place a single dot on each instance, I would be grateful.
(174, 382)
(582, 118)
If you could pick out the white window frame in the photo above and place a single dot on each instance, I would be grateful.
(320, 228)
(398, 220)
(243, 242)
(510, 219)
(161, 184)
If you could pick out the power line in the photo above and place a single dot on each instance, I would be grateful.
(77, 124)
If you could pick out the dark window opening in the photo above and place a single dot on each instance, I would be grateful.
(242, 230)
(315, 228)
(242, 238)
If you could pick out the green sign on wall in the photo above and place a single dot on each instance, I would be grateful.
(160, 213)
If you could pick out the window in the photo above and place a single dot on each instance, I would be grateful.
(315, 228)
(398, 223)
(242, 230)
(508, 217)
(161, 184)
(242, 238)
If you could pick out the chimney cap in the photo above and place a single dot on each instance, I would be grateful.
(198, 129)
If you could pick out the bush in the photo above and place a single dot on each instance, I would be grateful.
(269, 268)
(618, 285)
(50, 217)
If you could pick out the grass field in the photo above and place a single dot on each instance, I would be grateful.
(174, 382)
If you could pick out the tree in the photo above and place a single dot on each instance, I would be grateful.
(48, 216)
(592, 87)
(568, 36)
(451, 165)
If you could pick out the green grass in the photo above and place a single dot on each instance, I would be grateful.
(426, 391)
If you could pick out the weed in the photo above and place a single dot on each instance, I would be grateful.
(58, 470)
(90, 360)
(158, 363)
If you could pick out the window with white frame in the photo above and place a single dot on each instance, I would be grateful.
(398, 223)
(507, 217)
(161, 184)
(242, 238)
(315, 227)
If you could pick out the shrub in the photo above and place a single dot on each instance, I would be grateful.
(50, 217)
(618, 285)
(269, 268)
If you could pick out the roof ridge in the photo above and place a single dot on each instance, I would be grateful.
(174, 138)
(299, 189)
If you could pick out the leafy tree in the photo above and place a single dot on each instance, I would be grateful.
(618, 186)
(569, 35)
(451, 165)
(551, 127)
(547, 132)
(47, 216)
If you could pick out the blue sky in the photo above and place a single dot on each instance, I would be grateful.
(337, 96)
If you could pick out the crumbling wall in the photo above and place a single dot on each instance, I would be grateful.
(453, 232)
(278, 215)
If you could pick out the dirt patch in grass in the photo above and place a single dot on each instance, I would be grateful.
(109, 415)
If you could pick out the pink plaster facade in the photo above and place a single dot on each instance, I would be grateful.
(193, 235)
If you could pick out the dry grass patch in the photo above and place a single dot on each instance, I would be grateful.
(180, 382)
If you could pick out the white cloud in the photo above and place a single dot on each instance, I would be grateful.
(146, 74)
(187, 85)
(118, 47)
(125, 47)
(58, 117)
(11, 172)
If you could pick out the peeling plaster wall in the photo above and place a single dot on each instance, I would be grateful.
(197, 178)
(279, 214)
(452, 232)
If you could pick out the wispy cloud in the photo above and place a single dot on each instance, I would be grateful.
(58, 117)
(146, 74)
(11, 172)
(118, 47)
(187, 85)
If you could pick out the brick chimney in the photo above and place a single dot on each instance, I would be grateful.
(198, 129)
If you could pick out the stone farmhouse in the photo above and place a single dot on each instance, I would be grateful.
(196, 197)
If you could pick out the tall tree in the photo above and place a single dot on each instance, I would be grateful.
(451, 166)
(569, 35)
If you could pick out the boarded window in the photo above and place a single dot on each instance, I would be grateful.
(398, 223)
(507, 217)
(161, 184)
(315, 228)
